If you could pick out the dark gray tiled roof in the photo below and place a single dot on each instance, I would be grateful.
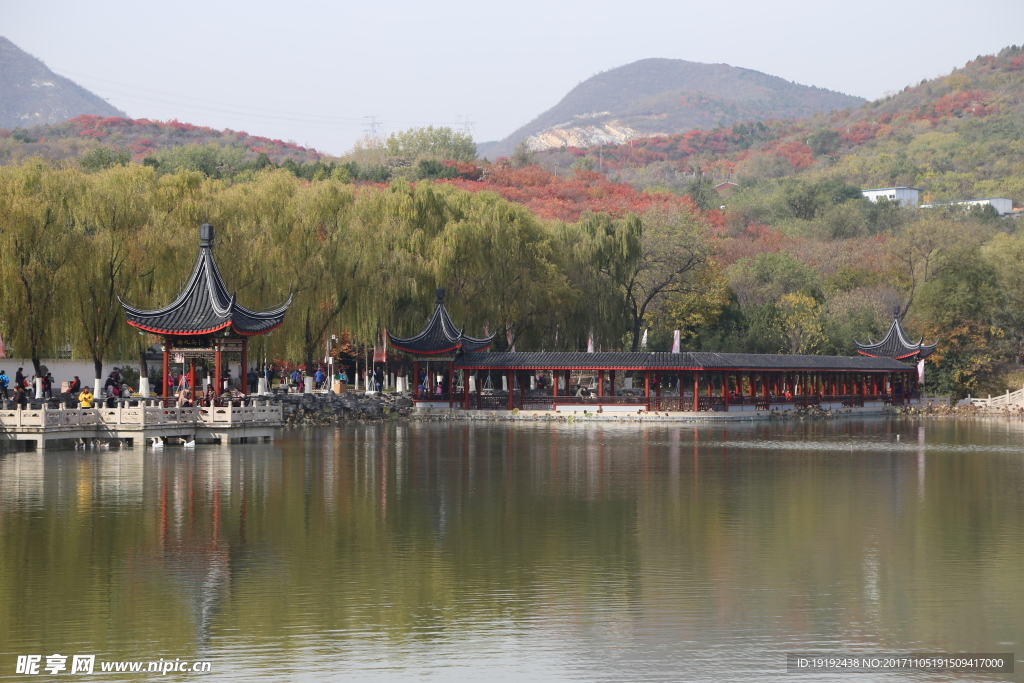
(896, 345)
(440, 335)
(643, 360)
(204, 305)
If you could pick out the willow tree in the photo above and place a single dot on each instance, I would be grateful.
(111, 218)
(389, 254)
(644, 262)
(499, 262)
(38, 246)
(290, 234)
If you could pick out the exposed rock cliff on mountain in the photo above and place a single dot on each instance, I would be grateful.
(666, 96)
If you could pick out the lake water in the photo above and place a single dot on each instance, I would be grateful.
(468, 552)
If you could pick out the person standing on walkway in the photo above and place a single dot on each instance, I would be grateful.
(4, 382)
(48, 386)
(85, 399)
(19, 378)
(20, 399)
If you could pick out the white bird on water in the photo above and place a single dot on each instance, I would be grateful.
(190, 444)
(158, 442)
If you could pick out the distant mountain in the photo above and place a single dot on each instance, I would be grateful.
(31, 94)
(665, 96)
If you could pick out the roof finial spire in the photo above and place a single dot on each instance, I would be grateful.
(440, 295)
(205, 235)
(896, 311)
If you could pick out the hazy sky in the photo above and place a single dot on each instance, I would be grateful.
(312, 71)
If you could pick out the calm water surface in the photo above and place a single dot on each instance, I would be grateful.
(496, 552)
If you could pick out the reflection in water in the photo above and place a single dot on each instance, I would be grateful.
(462, 551)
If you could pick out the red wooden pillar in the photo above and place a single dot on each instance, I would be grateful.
(167, 368)
(244, 377)
(218, 385)
(647, 383)
(696, 391)
(611, 381)
(752, 388)
(725, 389)
(600, 382)
(510, 378)
(192, 377)
(451, 384)
(465, 389)
(554, 382)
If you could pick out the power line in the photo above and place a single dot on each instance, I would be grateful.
(131, 93)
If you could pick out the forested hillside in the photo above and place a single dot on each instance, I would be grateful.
(958, 136)
(32, 95)
(139, 139)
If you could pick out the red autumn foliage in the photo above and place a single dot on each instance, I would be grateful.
(466, 171)
(550, 196)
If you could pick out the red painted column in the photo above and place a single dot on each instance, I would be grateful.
(465, 389)
(218, 385)
(725, 390)
(611, 381)
(600, 382)
(511, 378)
(554, 382)
(647, 383)
(167, 368)
(451, 383)
(696, 391)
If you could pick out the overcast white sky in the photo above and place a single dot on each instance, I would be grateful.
(311, 70)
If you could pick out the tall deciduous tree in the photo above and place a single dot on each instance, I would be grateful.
(38, 246)
(649, 260)
(110, 221)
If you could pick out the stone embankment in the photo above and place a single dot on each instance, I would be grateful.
(960, 411)
(323, 409)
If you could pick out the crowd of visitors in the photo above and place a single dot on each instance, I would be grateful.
(23, 388)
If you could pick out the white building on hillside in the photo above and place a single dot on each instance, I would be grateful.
(1002, 205)
(907, 196)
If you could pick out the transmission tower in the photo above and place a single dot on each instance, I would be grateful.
(466, 125)
(372, 125)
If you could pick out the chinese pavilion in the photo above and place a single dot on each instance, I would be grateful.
(895, 344)
(440, 341)
(696, 381)
(205, 321)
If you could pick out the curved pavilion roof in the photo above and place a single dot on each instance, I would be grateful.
(895, 344)
(440, 335)
(204, 305)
